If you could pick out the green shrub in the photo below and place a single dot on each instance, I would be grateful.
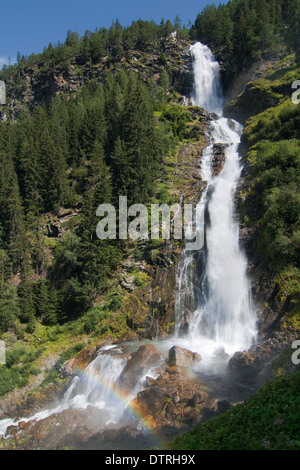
(93, 318)
(115, 303)
(13, 357)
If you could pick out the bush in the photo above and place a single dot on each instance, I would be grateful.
(13, 357)
(93, 318)
(115, 303)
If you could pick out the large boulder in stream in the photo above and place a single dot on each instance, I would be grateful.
(182, 357)
(174, 402)
(146, 356)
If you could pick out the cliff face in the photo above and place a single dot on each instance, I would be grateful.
(249, 94)
(145, 281)
(147, 311)
(264, 85)
(38, 85)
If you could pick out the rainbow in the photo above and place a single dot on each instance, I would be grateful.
(147, 421)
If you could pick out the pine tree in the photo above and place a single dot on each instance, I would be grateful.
(46, 303)
(293, 33)
(9, 307)
(28, 168)
(27, 306)
(139, 150)
(11, 210)
(114, 104)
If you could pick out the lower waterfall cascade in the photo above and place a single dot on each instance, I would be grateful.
(221, 316)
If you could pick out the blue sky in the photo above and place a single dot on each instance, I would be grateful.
(29, 25)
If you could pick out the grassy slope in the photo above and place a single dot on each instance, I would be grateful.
(269, 420)
(271, 204)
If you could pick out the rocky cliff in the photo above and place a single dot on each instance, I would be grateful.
(36, 85)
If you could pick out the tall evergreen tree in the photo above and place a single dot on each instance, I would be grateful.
(140, 145)
(293, 32)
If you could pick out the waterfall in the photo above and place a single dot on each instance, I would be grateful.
(207, 91)
(222, 315)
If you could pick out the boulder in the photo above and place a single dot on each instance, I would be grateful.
(145, 357)
(173, 398)
(81, 361)
(182, 357)
(243, 364)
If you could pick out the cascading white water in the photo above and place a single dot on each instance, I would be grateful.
(224, 317)
(98, 386)
(207, 91)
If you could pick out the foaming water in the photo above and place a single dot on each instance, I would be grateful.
(207, 91)
(221, 319)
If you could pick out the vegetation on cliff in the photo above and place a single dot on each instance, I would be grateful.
(270, 196)
(268, 421)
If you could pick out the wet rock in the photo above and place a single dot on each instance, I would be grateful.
(68, 368)
(256, 364)
(196, 399)
(146, 357)
(149, 381)
(172, 400)
(218, 159)
(81, 361)
(252, 361)
(129, 437)
(182, 357)
(57, 431)
(242, 362)
(27, 401)
(221, 353)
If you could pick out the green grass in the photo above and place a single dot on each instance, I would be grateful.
(269, 420)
